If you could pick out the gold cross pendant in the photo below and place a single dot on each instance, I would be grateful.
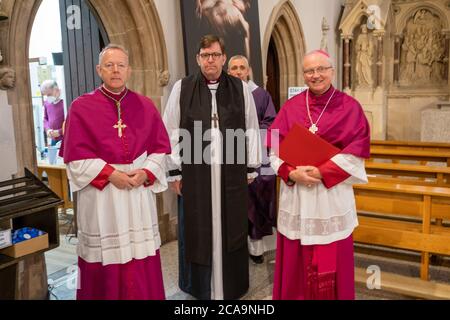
(120, 127)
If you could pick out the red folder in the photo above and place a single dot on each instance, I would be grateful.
(301, 147)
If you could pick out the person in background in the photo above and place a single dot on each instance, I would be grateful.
(53, 111)
(261, 204)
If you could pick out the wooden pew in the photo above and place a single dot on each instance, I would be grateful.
(408, 174)
(404, 216)
(395, 155)
(418, 145)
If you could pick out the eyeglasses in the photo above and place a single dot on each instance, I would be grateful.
(214, 55)
(319, 70)
(110, 66)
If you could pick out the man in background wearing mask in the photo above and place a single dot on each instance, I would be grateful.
(53, 111)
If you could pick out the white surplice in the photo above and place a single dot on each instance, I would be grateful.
(171, 119)
(318, 215)
(116, 226)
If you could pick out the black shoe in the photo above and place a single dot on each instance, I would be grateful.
(257, 259)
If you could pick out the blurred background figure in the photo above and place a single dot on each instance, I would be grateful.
(53, 111)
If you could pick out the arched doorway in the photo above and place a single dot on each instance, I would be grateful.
(273, 74)
(133, 24)
(284, 39)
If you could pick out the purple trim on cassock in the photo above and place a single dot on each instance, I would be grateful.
(90, 132)
(316, 272)
(54, 117)
(343, 123)
(135, 280)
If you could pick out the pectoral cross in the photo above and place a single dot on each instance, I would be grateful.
(313, 128)
(120, 127)
(215, 118)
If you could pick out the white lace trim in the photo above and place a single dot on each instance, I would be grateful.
(316, 231)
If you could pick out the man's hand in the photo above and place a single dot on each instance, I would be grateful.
(302, 176)
(315, 173)
(53, 133)
(176, 187)
(138, 177)
(250, 181)
(121, 180)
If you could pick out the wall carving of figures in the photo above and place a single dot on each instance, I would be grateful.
(423, 50)
(364, 57)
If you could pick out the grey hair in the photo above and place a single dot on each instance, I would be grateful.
(323, 54)
(48, 84)
(238, 57)
(112, 46)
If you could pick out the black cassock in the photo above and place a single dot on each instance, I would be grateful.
(195, 207)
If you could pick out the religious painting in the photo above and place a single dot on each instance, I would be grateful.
(236, 21)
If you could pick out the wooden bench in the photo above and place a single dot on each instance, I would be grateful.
(420, 156)
(404, 216)
(408, 174)
(418, 145)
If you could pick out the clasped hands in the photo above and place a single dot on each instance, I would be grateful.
(53, 133)
(306, 175)
(128, 180)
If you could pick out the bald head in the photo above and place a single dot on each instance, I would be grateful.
(318, 53)
(318, 71)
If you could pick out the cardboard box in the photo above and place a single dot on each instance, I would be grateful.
(5, 238)
(26, 247)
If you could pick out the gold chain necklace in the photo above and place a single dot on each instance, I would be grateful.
(120, 126)
(314, 128)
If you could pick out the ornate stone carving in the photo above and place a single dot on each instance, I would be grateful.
(163, 78)
(423, 50)
(364, 50)
(324, 41)
(7, 78)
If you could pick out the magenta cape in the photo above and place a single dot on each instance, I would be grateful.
(343, 123)
(90, 132)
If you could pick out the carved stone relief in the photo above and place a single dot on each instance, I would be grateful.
(364, 57)
(423, 50)
(7, 78)
(325, 29)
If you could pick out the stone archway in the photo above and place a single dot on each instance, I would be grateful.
(285, 28)
(133, 24)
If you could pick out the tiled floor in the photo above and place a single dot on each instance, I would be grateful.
(63, 281)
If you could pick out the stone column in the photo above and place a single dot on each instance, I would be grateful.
(446, 54)
(379, 37)
(347, 64)
(397, 52)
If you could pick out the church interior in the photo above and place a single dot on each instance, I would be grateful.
(390, 55)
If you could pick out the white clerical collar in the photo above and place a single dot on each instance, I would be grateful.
(114, 93)
(252, 86)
